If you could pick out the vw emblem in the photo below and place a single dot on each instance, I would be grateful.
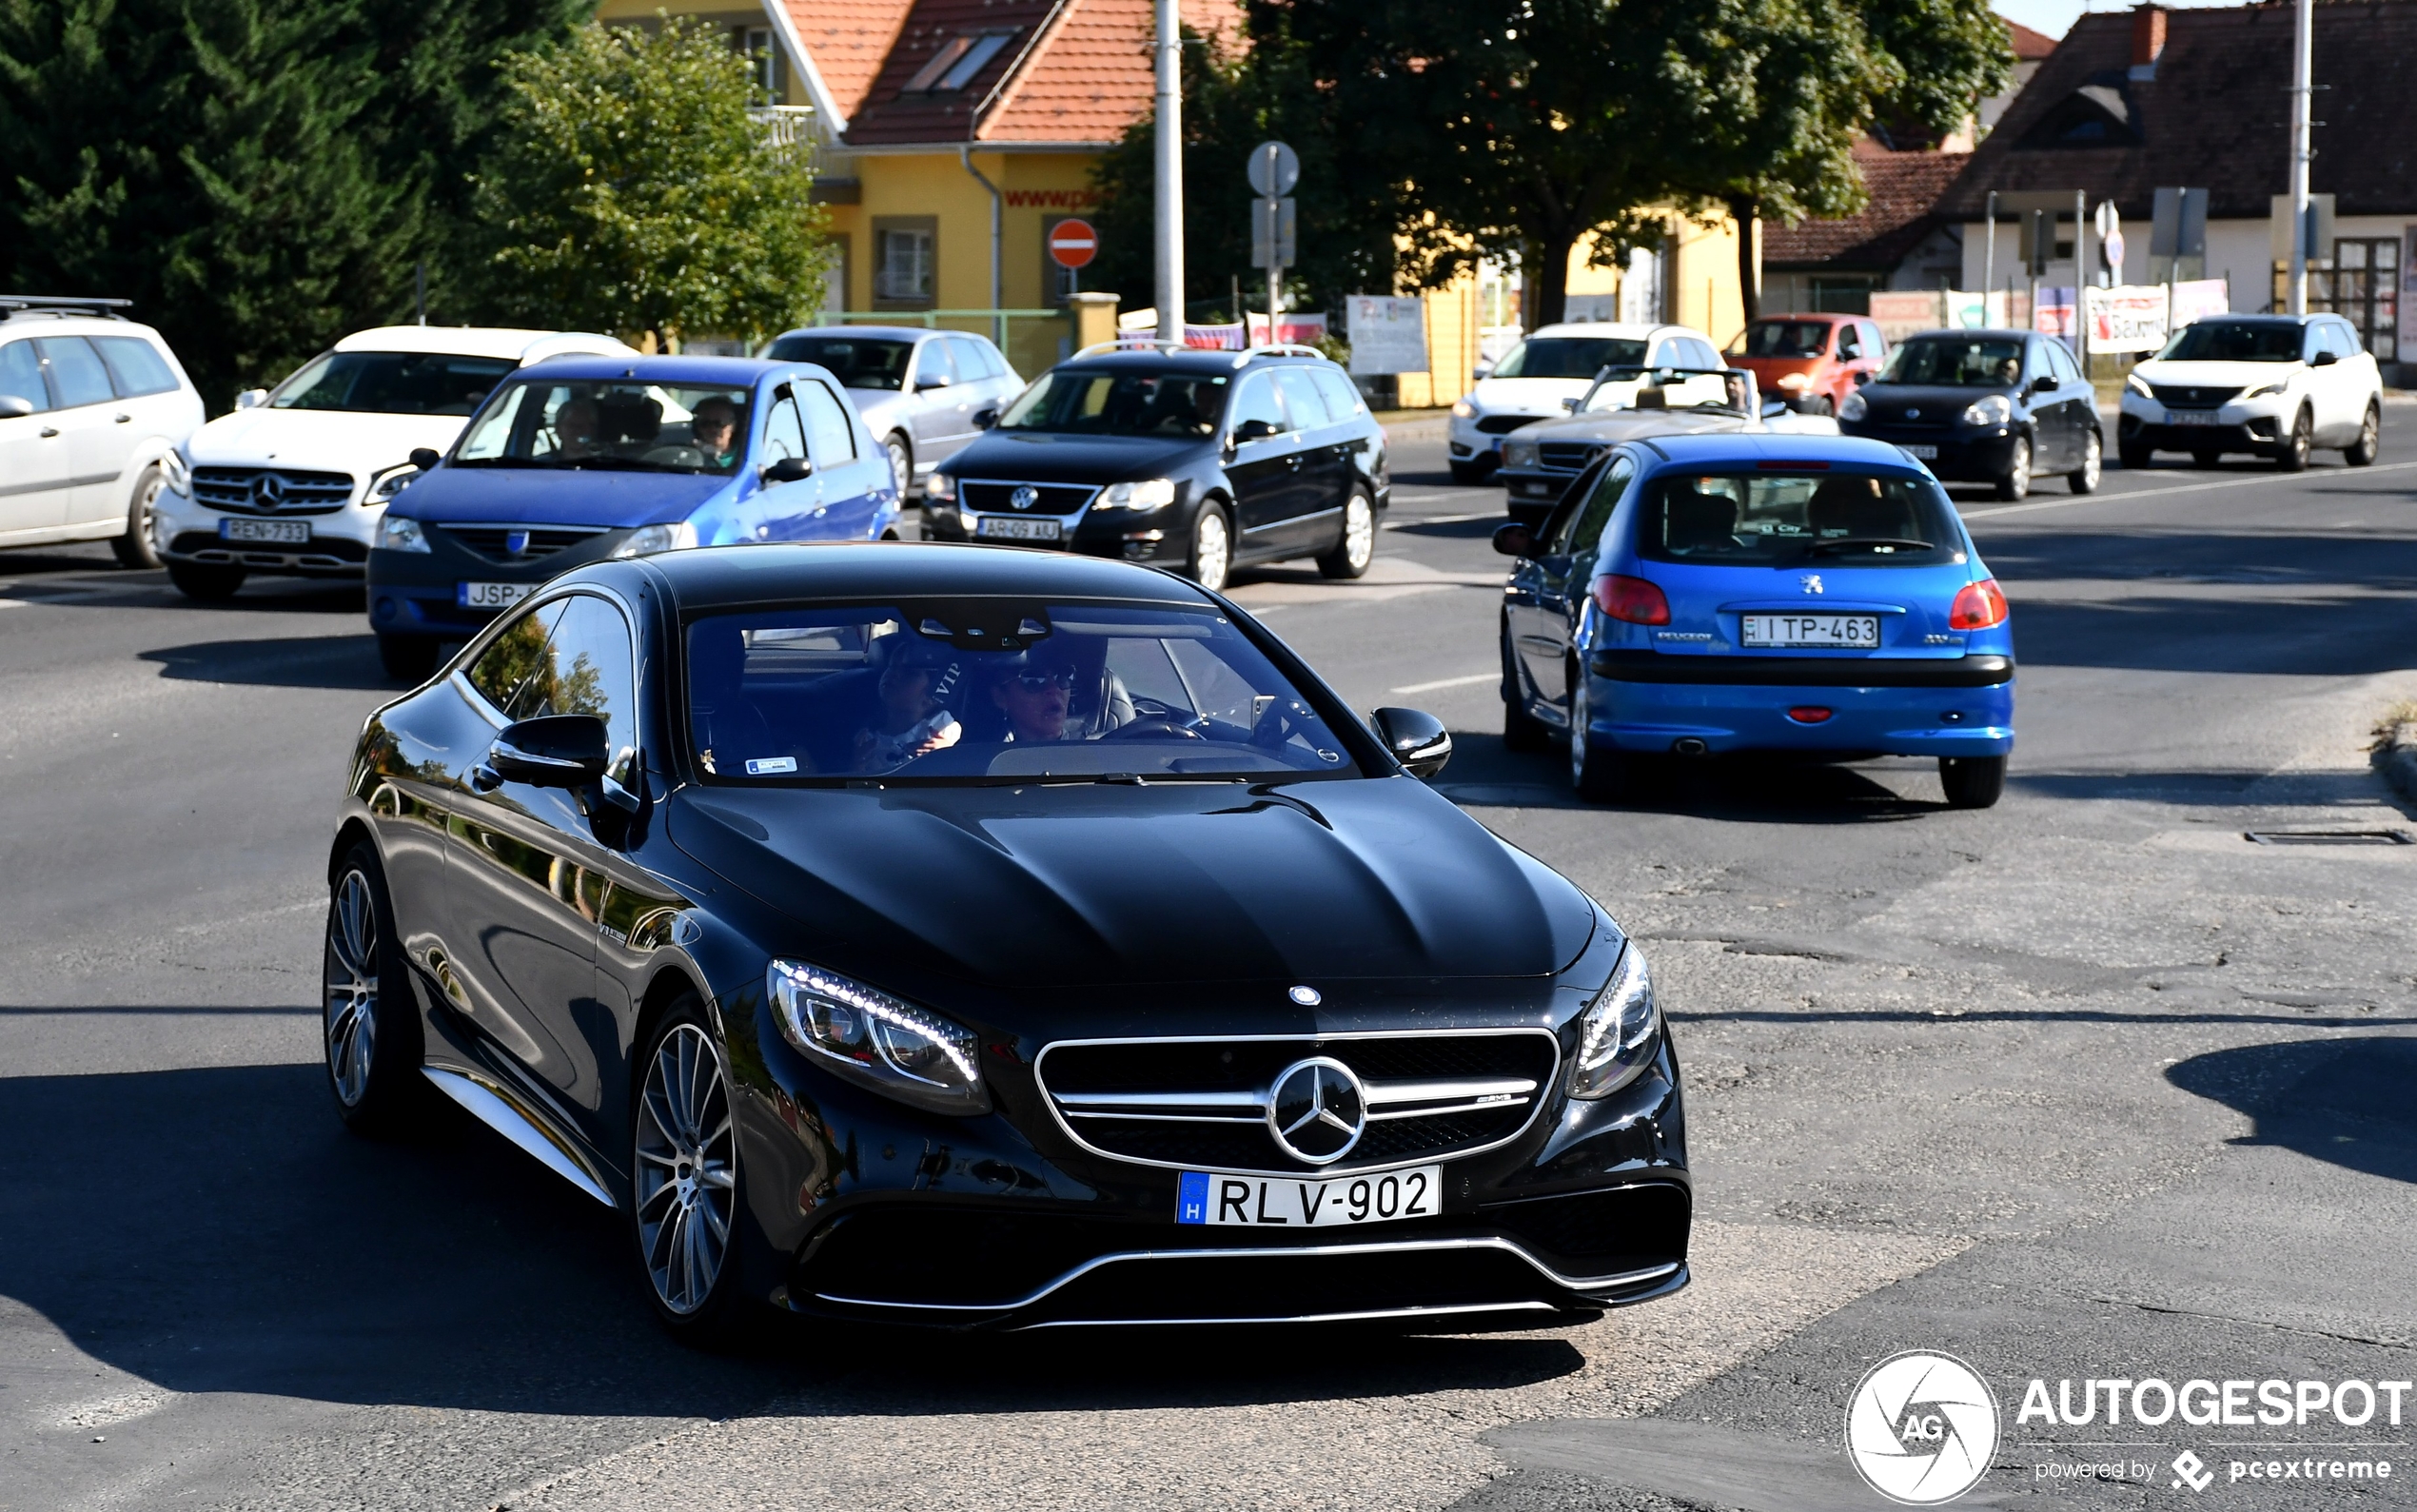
(268, 490)
(1910, 413)
(516, 542)
(1810, 582)
(1317, 1111)
(1025, 496)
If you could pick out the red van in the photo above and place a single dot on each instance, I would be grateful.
(1809, 361)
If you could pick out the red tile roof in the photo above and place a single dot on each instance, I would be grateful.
(847, 40)
(2029, 47)
(1903, 186)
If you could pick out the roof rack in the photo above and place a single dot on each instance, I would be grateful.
(1136, 344)
(62, 304)
(1280, 349)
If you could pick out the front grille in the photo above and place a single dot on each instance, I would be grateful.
(495, 543)
(1919, 417)
(1566, 457)
(1048, 499)
(271, 490)
(2192, 395)
(1504, 424)
(1202, 1103)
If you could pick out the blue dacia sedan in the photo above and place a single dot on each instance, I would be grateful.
(582, 459)
(1702, 594)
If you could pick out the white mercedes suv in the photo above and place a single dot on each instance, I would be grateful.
(1554, 364)
(295, 482)
(2275, 385)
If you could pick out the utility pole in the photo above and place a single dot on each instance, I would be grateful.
(2303, 90)
(1988, 260)
(1170, 175)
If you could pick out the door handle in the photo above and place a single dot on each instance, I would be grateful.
(49, 431)
(122, 419)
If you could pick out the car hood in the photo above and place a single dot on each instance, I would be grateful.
(543, 496)
(320, 440)
(1616, 425)
(1017, 888)
(2218, 375)
(1042, 457)
(1527, 396)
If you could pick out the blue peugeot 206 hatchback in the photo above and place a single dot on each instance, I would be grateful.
(580, 459)
(1700, 594)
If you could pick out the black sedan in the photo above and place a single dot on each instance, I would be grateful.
(968, 937)
(2000, 407)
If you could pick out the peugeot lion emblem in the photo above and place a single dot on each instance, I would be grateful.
(268, 490)
(1025, 496)
(1318, 1110)
(1811, 582)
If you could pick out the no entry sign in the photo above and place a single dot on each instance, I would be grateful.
(1072, 243)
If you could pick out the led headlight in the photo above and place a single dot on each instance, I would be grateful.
(648, 540)
(384, 487)
(1618, 1032)
(2136, 384)
(1853, 406)
(1996, 409)
(1152, 493)
(939, 488)
(863, 1034)
(1795, 381)
(398, 533)
(1463, 408)
(2268, 390)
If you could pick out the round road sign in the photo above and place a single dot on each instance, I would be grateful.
(1274, 169)
(1072, 243)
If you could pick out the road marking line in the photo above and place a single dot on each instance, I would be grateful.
(1446, 683)
(2181, 488)
(1444, 520)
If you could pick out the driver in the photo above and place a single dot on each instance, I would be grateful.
(713, 426)
(577, 424)
(1037, 698)
(915, 719)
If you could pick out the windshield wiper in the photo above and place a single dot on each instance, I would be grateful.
(1871, 543)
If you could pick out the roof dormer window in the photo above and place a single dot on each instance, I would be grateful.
(960, 59)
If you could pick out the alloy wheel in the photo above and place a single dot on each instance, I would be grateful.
(1211, 549)
(352, 988)
(2016, 479)
(2093, 465)
(1359, 533)
(901, 466)
(687, 1170)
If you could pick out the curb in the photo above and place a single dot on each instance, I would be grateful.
(2396, 757)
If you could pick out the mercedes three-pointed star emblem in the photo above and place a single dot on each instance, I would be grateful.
(268, 490)
(1317, 1110)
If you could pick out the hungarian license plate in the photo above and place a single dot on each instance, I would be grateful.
(491, 595)
(1928, 454)
(1285, 1201)
(991, 529)
(278, 532)
(1838, 632)
(2192, 416)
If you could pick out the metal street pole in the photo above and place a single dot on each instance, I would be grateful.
(1989, 260)
(1170, 175)
(2303, 82)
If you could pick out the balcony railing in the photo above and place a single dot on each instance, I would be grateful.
(787, 127)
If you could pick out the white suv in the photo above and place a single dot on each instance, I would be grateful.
(91, 408)
(2277, 385)
(297, 479)
(1554, 364)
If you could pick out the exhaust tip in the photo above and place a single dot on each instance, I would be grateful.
(1689, 745)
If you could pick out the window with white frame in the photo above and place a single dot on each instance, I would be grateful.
(902, 263)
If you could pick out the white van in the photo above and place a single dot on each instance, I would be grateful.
(295, 482)
(91, 407)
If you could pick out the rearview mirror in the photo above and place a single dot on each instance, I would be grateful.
(14, 406)
(251, 398)
(1515, 539)
(1417, 739)
(1254, 430)
(787, 470)
(985, 419)
(2324, 358)
(424, 458)
(552, 751)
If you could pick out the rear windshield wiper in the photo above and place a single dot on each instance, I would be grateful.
(1871, 544)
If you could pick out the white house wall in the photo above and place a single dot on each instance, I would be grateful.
(2237, 250)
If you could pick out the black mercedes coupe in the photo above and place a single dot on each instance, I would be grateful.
(955, 935)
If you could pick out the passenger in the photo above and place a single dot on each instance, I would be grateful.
(915, 720)
(579, 429)
(714, 428)
(1037, 698)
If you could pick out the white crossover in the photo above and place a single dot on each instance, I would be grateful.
(1556, 363)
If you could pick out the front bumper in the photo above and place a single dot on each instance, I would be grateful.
(184, 529)
(1953, 707)
(1958, 454)
(418, 593)
(2254, 426)
(1162, 534)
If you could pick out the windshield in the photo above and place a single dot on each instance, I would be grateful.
(621, 424)
(1968, 362)
(1782, 338)
(2235, 342)
(1771, 519)
(857, 361)
(989, 690)
(1667, 388)
(1570, 356)
(392, 382)
(1123, 402)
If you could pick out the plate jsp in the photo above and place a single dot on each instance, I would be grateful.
(1821, 632)
(1217, 1200)
(491, 595)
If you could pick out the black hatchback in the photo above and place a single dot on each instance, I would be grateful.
(1990, 406)
(1191, 460)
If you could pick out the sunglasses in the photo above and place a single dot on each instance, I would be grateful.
(1038, 680)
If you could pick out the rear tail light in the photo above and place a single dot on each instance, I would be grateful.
(1633, 600)
(1980, 605)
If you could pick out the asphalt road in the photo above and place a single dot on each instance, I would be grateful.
(2086, 1086)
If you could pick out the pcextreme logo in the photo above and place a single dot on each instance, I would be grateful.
(1921, 1427)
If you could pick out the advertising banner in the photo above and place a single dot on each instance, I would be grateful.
(1900, 313)
(2128, 317)
(1303, 329)
(2054, 315)
(1387, 335)
(2198, 298)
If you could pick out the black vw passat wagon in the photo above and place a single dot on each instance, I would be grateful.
(1194, 459)
(962, 936)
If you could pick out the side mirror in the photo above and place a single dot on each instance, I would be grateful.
(2044, 383)
(936, 381)
(787, 470)
(1515, 539)
(1864, 375)
(1417, 739)
(1254, 430)
(985, 419)
(424, 458)
(2324, 359)
(251, 398)
(1774, 407)
(552, 751)
(16, 407)
(1572, 404)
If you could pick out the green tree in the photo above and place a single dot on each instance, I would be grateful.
(631, 191)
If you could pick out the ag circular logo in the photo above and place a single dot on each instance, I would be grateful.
(1921, 1427)
(1317, 1110)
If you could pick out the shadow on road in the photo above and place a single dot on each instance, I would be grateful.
(2342, 1101)
(298, 661)
(1752, 788)
(218, 1230)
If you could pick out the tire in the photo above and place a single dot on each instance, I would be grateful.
(1523, 731)
(901, 466)
(2015, 481)
(1599, 775)
(2094, 464)
(1971, 782)
(2293, 457)
(135, 549)
(2132, 455)
(1351, 554)
(2203, 459)
(369, 1020)
(1818, 404)
(686, 1204)
(1467, 473)
(204, 581)
(408, 658)
(1210, 560)
(2363, 452)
